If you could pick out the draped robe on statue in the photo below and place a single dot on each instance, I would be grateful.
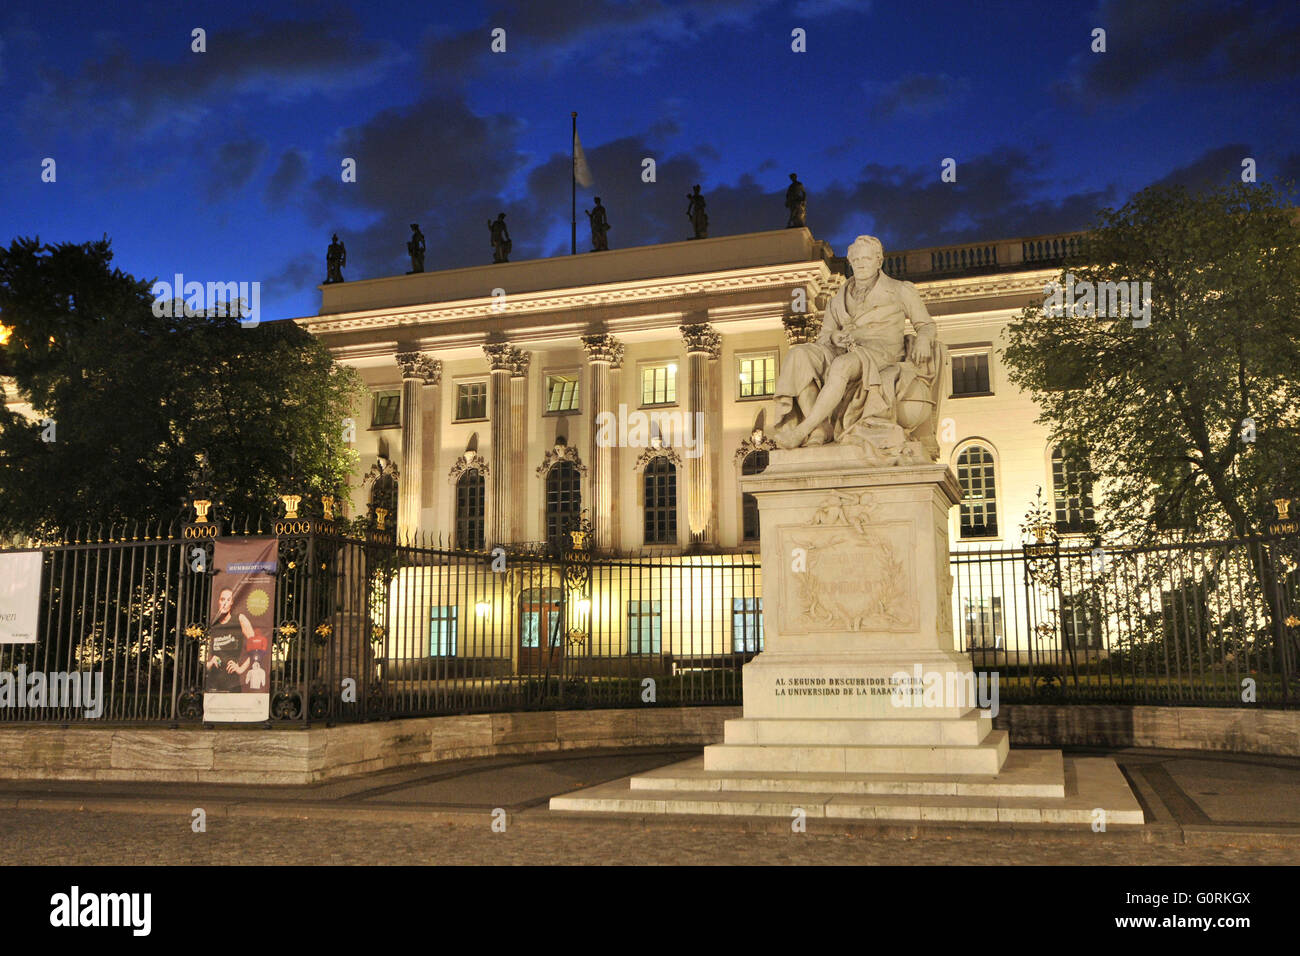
(868, 414)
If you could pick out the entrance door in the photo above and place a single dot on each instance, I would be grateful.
(537, 620)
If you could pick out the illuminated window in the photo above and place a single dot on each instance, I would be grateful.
(659, 384)
(471, 508)
(644, 627)
(563, 502)
(747, 625)
(442, 630)
(756, 375)
(562, 393)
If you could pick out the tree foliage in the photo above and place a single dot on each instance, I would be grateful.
(1191, 422)
(134, 397)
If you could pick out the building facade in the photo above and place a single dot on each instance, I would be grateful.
(635, 384)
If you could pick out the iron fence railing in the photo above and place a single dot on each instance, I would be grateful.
(1203, 622)
(367, 627)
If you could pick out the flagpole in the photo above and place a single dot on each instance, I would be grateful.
(573, 183)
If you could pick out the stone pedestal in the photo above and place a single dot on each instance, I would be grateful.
(858, 707)
(858, 673)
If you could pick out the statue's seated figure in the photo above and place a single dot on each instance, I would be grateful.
(865, 381)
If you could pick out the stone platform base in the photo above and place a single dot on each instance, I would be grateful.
(1037, 786)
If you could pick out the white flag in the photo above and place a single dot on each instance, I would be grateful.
(581, 171)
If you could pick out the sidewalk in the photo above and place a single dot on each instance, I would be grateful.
(1223, 804)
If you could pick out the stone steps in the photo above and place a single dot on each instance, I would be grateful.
(1093, 787)
(984, 758)
(1026, 773)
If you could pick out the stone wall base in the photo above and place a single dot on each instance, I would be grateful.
(304, 756)
(1228, 729)
(298, 756)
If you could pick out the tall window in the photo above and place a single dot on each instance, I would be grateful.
(970, 374)
(563, 501)
(746, 625)
(471, 401)
(1072, 491)
(754, 463)
(442, 630)
(660, 502)
(643, 627)
(383, 494)
(756, 375)
(471, 508)
(562, 392)
(387, 410)
(979, 500)
(659, 384)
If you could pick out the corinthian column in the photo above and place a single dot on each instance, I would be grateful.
(703, 346)
(500, 505)
(518, 496)
(605, 354)
(418, 371)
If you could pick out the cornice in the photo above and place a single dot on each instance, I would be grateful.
(814, 274)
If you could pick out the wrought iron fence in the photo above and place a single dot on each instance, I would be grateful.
(1204, 622)
(367, 627)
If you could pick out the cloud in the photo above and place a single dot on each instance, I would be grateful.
(290, 173)
(276, 61)
(822, 8)
(1185, 43)
(919, 94)
(611, 36)
(233, 164)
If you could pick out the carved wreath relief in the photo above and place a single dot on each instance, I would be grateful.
(857, 570)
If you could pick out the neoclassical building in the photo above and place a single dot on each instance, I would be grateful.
(635, 384)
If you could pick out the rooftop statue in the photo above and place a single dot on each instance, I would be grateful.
(696, 214)
(796, 200)
(336, 257)
(501, 243)
(865, 381)
(599, 227)
(415, 248)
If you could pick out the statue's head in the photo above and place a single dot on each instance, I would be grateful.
(597, 200)
(794, 177)
(415, 226)
(866, 255)
(336, 237)
(501, 215)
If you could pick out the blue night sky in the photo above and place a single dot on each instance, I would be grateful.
(225, 165)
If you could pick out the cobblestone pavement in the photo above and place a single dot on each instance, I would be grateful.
(1224, 806)
(81, 838)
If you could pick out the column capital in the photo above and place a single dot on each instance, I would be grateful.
(702, 338)
(518, 359)
(602, 347)
(499, 356)
(801, 327)
(418, 366)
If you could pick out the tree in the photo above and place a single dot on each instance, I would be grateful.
(1190, 420)
(135, 397)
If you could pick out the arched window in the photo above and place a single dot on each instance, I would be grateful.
(755, 463)
(471, 509)
(1072, 491)
(563, 501)
(660, 502)
(979, 495)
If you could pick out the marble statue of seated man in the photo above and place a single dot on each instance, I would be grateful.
(865, 381)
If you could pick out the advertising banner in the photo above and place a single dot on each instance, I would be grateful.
(20, 596)
(237, 667)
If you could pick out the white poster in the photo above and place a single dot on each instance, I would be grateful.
(20, 596)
